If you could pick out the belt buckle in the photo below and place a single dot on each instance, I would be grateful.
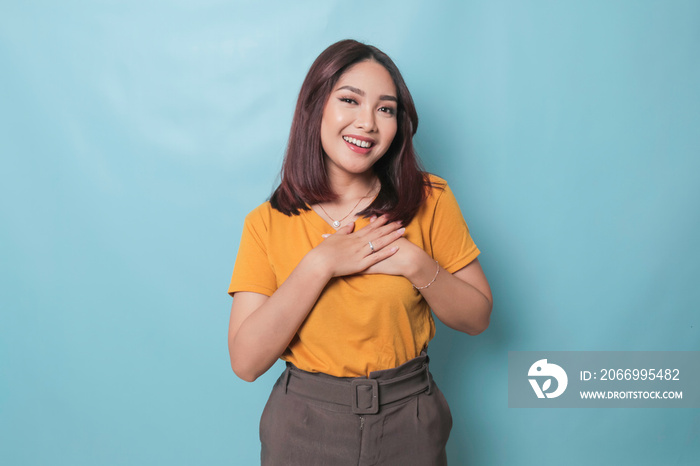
(355, 385)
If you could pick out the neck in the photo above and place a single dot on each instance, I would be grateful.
(349, 187)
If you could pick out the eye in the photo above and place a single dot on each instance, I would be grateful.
(388, 110)
(347, 100)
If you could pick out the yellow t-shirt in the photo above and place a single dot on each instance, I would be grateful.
(360, 323)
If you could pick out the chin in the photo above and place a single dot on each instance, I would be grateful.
(356, 167)
(359, 170)
(353, 164)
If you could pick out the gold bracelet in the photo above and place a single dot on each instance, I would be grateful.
(431, 281)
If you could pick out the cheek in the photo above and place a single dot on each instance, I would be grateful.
(325, 137)
(333, 111)
(390, 132)
(327, 126)
(331, 122)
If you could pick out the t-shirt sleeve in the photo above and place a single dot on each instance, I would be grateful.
(252, 270)
(453, 246)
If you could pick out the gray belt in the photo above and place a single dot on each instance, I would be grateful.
(362, 395)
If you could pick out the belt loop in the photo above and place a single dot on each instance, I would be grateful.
(430, 379)
(285, 382)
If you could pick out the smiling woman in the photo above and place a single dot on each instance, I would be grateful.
(359, 120)
(337, 275)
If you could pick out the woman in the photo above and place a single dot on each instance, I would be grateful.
(337, 274)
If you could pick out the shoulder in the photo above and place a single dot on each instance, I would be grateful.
(260, 213)
(439, 201)
(437, 186)
(264, 215)
(260, 217)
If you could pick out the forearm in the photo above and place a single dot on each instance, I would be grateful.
(265, 334)
(457, 303)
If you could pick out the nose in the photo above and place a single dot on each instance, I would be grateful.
(366, 119)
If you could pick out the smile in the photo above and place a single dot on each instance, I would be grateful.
(357, 142)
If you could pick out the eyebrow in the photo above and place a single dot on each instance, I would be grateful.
(362, 93)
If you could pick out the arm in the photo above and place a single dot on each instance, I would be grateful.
(461, 300)
(262, 327)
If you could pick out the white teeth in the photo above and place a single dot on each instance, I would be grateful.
(357, 142)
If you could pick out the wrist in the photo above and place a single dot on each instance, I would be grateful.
(314, 264)
(421, 270)
(422, 287)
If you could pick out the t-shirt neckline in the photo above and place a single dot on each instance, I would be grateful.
(315, 219)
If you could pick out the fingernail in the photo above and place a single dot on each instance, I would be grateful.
(373, 218)
(401, 231)
(326, 235)
(394, 249)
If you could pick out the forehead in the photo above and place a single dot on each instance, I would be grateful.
(368, 76)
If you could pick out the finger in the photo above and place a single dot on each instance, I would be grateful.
(377, 223)
(381, 255)
(383, 241)
(372, 218)
(387, 229)
(369, 247)
(346, 229)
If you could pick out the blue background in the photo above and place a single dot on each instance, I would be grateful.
(135, 136)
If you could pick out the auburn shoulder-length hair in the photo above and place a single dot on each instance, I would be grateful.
(304, 180)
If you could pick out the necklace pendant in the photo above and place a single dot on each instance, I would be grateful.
(336, 224)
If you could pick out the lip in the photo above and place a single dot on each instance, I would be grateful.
(359, 150)
(361, 138)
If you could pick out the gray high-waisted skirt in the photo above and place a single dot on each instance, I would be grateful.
(395, 417)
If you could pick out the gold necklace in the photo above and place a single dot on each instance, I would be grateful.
(336, 223)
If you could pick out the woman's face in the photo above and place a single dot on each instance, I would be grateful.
(359, 119)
